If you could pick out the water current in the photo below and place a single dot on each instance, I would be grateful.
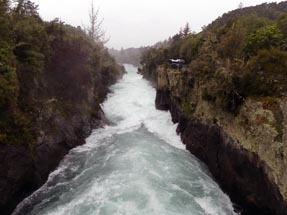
(136, 165)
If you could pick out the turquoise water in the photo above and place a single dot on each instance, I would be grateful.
(137, 165)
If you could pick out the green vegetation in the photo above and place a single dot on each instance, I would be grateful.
(129, 56)
(189, 110)
(263, 38)
(241, 54)
(282, 23)
(46, 61)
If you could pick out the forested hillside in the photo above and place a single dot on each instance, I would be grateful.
(230, 101)
(129, 55)
(241, 54)
(52, 79)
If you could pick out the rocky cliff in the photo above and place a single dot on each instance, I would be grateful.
(230, 100)
(53, 78)
(246, 152)
(58, 128)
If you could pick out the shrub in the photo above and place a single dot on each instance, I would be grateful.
(263, 38)
(282, 23)
(266, 73)
(190, 47)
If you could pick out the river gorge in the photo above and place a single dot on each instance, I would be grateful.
(136, 164)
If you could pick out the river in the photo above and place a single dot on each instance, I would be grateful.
(136, 165)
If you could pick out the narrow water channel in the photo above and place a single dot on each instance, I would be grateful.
(137, 165)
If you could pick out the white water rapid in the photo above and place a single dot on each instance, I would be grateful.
(137, 165)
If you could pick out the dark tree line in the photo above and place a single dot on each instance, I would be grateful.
(43, 63)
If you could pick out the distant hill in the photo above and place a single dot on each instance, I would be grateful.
(129, 55)
(267, 10)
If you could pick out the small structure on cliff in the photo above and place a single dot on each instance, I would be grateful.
(178, 63)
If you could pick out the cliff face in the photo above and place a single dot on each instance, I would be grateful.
(57, 130)
(128, 56)
(230, 101)
(246, 152)
(53, 78)
(22, 172)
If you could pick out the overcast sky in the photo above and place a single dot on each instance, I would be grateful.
(135, 23)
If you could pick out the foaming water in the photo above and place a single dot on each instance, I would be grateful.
(135, 166)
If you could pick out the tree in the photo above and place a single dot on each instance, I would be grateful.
(186, 30)
(94, 30)
(177, 37)
(26, 8)
(240, 6)
(189, 48)
(5, 24)
(263, 38)
(4, 5)
(266, 73)
(282, 23)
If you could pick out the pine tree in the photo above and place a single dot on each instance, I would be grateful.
(26, 8)
(186, 30)
(94, 30)
(240, 6)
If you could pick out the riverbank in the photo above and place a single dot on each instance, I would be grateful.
(52, 84)
(231, 149)
(22, 172)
